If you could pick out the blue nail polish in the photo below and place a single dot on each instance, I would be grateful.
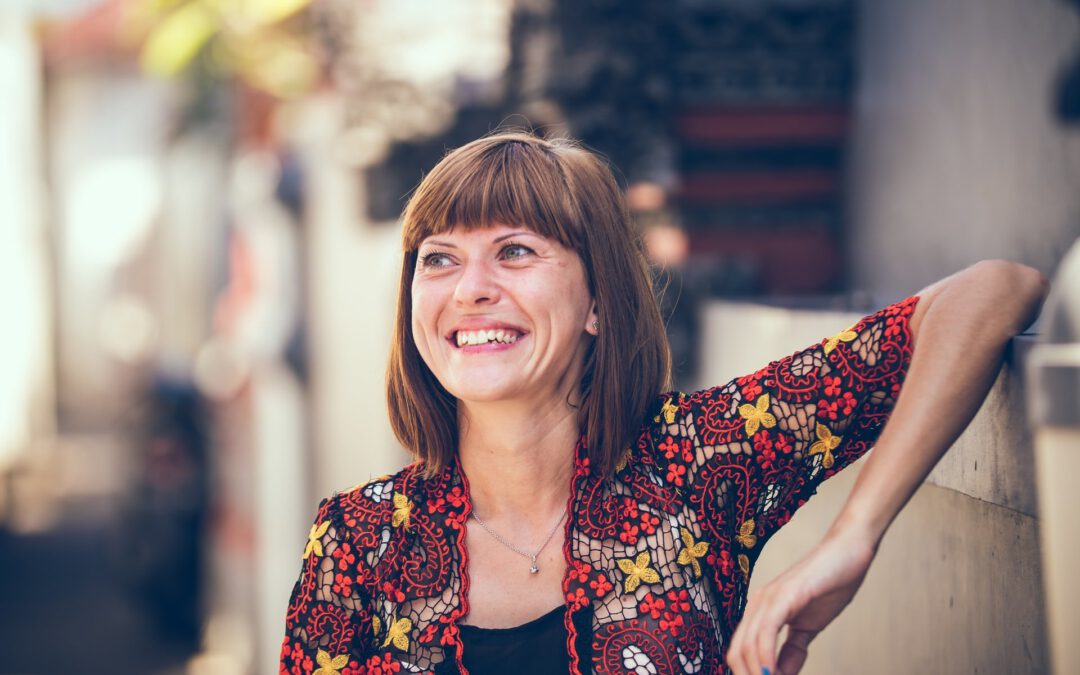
(764, 671)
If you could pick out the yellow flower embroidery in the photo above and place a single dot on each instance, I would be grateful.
(376, 624)
(744, 566)
(843, 336)
(668, 411)
(314, 537)
(399, 634)
(637, 571)
(757, 415)
(826, 443)
(402, 510)
(623, 460)
(330, 666)
(693, 551)
(746, 535)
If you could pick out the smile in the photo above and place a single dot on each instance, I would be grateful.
(470, 338)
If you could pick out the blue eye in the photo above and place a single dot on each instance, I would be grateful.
(434, 259)
(513, 251)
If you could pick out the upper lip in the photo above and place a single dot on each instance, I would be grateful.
(483, 324)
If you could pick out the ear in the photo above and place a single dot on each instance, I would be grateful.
(592, 321)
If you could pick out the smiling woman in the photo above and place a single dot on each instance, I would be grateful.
(617, 525)
(547, 218)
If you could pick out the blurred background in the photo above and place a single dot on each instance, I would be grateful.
(199, 247)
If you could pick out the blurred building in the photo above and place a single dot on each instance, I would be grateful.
(200, 272)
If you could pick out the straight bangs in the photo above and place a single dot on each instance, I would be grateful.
(508, 180)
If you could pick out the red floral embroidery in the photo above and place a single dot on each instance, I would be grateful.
(342, 584)
(671, 622)
(751, 390)
(456, 497)
(669, 447)
(832, 386)
(687, 447)
(783, 444)
(429, 633)
(703, 474)
(675, 473)
(344, 556)
(680, 600)
(648, 523)
(382, 665)
(392, 592)
(652, 605)
(577, 598)
(580, 571)
(600, 585)
(828, 410)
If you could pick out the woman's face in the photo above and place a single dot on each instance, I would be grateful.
(501, 313)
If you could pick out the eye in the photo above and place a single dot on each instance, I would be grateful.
(434, 259)
(513, 251)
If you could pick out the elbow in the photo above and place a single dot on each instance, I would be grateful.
(1017, 291)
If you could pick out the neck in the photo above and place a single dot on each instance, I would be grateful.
(519, 460)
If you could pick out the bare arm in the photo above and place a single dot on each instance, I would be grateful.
(960, 329)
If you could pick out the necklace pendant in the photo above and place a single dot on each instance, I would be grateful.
(534, 569)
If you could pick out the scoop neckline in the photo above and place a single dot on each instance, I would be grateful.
(556, 611)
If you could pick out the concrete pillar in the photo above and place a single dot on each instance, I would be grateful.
(1054, 406)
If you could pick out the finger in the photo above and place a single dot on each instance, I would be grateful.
(737, 647)
(793, 653)
(751, 627)
(734, 654)
(766, 633)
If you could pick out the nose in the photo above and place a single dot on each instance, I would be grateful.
(476, 285)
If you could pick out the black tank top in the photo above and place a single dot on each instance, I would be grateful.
(534, 648)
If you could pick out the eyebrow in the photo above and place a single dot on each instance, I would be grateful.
(502, 238)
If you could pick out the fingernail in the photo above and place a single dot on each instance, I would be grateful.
(764, 671)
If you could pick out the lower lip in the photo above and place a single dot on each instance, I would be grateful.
(488, 347)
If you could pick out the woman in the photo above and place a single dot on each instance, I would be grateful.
(566, 515)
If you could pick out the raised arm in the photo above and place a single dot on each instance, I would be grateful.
(960, 329)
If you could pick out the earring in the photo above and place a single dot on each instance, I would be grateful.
(596, 324)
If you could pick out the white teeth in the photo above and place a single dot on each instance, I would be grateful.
(471, 338)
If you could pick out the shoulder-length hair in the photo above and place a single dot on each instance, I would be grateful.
(563, 192)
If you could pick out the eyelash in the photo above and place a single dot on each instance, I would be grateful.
(426, 259)
(512, 244)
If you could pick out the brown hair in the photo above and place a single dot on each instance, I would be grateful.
(563, 192)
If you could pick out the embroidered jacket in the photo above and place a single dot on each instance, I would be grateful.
(658, 556)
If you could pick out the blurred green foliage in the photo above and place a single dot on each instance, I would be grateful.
(266, 43)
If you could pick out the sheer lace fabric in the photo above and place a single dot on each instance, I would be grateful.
(659, 555)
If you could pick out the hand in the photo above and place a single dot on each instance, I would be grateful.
(805, 598)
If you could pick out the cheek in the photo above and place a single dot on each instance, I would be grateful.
(424, 322)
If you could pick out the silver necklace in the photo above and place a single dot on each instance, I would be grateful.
(534, 568)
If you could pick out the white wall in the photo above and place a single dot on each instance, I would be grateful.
(353, 272)
(25, 342)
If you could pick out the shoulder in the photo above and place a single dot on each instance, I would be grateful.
(374, 501)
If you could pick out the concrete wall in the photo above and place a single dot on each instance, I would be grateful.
(956, 586)
(956, 152)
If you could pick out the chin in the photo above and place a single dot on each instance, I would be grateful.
(489, 393)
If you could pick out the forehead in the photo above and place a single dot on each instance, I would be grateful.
(495, 233)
